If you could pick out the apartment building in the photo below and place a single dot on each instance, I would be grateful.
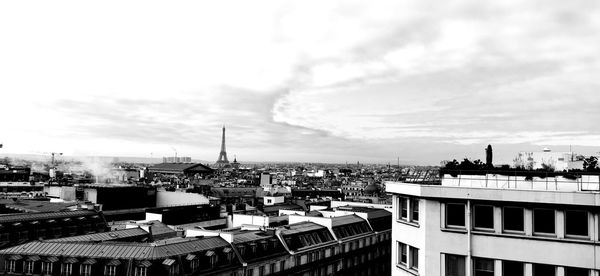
(496, 225)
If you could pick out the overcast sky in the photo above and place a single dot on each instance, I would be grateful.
(325, 81)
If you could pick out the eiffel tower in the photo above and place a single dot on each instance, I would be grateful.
(222, 161)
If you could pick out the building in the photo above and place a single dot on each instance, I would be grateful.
(110, 196)
(19, 228)
(546, 158)
(345, 245)
(511, 225)
(176, 159)
(178, 169)
(105, 255)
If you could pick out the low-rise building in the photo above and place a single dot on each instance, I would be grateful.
(507, 225)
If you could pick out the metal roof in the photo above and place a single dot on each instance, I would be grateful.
(179, 167)
(107, 236)
(118, 250)
(301, 227)
(344, 220)
(24, 217)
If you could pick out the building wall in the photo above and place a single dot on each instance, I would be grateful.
(165, 198)
(434, 239)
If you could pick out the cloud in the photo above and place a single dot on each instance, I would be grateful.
(295, 80)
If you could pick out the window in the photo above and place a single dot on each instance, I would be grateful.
(66, 269)
(414, 258)
(261, 270)
(85, 270)
(575, 271)
(513, 219)
(455, 215)
(483, 216)
(29, 267)
(141, 271)
(544, 221)
(46, 268)
(455, 265)
(110, 270)
(402, 256)
(576, 223)
(510, 268)
(249, 272)
(11, 266)
(544, 270)
(403, 208)
(272, 268)
(483, 267)
(282, 266)
(414, 210)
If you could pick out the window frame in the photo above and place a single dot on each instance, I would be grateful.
(403, 203)
(512, 231)
(587, 223)
(493, 271)
(413, 262)
(402, 253)
(459, 258)
(446, 216)
(475, 227)
(533, 226)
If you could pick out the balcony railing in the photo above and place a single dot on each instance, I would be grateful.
(522, 180)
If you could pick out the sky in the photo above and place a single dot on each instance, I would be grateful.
(312, 81)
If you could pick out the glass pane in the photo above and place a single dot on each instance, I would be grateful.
(484, 216)
(513, 218)
(575, 271)
(512, 268)
(577, 223)
(543, 221)
(544, 270)
(455, 214)
(455, 265)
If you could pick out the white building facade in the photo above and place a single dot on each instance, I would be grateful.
(518, 230)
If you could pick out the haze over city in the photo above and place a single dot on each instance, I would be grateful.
(333, 81)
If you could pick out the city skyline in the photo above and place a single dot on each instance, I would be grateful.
(292, 81)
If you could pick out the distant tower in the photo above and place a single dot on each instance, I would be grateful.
(223, 154)
(488, 156)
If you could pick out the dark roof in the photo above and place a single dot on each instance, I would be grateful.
(179, 168)
(303, 235)
(25, 217)
(107, 236)
(36, 205)
(118, 250)
(285, 206)
(349, 226)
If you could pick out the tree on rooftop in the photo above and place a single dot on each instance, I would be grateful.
(590, 163)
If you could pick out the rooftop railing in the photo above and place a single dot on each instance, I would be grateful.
(522, 180)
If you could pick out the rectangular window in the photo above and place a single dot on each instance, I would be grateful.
(46, 268)
(86, 270)
(29, 267)
(544, 270)
(576, 223)
(414, 258)
(513, 219)
(11, 266)
(402, 256)
(414, 210)
(403, 208)
(510, 268)
(110, 270)
(544, 221)
(575, 271)
(67, 269)
(455, 265)
(483, 216)
(140, 271)
(455, 215)
(483, 267)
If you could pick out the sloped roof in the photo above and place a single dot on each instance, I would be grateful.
(107, 236)
(344, 220)
(179, 168)
(118, 250)
(25, 217)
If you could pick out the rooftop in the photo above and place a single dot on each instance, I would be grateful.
(24, 217)
(118, 250)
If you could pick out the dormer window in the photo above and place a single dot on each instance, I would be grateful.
(110, 269)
